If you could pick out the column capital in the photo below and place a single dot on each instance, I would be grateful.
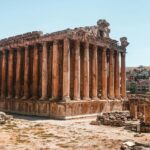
(11, 51)
(55, 42)
(94, 46)
(123, 54)
(44, 43)
(77, 43)
(26, 46)
(3, 51)
(86, 44)
(104, 49)
(112, 51)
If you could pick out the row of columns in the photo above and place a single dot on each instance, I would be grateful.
(110, 78)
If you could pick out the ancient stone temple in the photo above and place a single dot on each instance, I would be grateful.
(66, 74)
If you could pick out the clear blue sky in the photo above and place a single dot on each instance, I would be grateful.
(129, 18)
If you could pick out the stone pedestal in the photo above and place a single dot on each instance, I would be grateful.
(60, 110)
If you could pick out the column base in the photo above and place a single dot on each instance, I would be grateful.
(25, 97)
(95, 98)
(9, 97)
(16, 97)
(104, 97)
(76, 98)
(111, 97)
(118, 97)
(43, 98)
(86, 98)
(66, 99)
(2, 97)
(123, 97)
(34, 98)
(53, 98)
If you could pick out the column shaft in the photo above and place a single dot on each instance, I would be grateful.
(86, 72)
(55, 71)
(94, 73)
(26, 74)
(35, 73)
(77, 71)
(104, 73)
(44, 72)
(18, 74)
(111, 75)
(117, 76)
(123, 76)
(10, 74)
(3, 86)
(66, 70)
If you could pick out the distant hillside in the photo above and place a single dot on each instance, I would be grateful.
(139, 67)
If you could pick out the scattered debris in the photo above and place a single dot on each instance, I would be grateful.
(4, 117)
(113, 118)
(131, 145)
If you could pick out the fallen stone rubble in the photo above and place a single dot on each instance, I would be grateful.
(131, 145)
(113, 118)
(4, 117)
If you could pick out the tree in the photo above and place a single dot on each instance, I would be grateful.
(133, 88)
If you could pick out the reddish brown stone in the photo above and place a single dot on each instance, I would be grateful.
(3, 83)
(123, 76)
(66, 70)
(55, 74)
(104, 74)
(10, 74)
(26, 73)
(66, 66)
(44, 72)
(18, 74)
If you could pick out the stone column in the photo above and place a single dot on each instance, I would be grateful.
(10, 74)
(35, 73)
(111, 75)
(55, 71)
(26, 73)
(117, 76)
(18, 74)
(77, 71)
(44, 72)
(66, 70)
(123, 75)
(94, 73)
(3, 82)
(86, 72)
(104, 73)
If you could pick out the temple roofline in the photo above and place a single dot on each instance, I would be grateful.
(90, 33)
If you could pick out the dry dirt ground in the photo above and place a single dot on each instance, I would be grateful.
(32, 133)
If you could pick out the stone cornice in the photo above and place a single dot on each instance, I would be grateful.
(78, 33)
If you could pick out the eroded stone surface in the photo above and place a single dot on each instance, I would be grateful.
(4, 118)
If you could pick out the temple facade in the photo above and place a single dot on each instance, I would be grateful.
(65, 74)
